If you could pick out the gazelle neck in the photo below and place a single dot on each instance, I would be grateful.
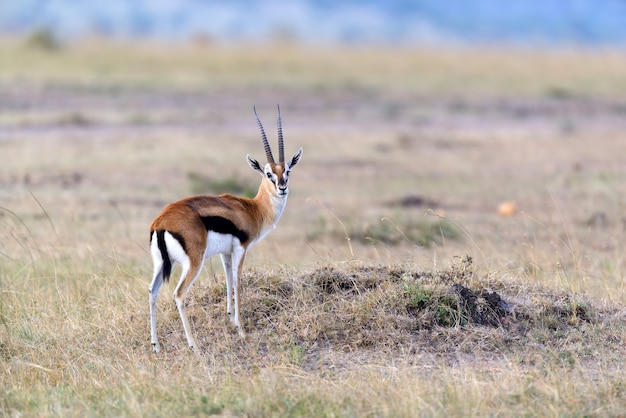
(272, 204)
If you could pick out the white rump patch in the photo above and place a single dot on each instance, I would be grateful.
(157, 260)
(175, 250)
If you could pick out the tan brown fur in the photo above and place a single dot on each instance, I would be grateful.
(249, 215)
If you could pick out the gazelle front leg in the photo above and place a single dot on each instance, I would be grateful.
(238, 256)
(228, 271)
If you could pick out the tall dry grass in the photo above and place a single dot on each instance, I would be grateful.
(75, 342)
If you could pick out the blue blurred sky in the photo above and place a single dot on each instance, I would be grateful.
(519, 22)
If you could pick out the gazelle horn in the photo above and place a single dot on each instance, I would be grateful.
(281, 147)
(268, 150)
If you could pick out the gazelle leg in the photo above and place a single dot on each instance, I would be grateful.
(153, 289)
(238, 256)
(190, 271)
(157, 281)
(228, 271)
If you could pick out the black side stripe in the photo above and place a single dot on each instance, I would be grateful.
(224, 226)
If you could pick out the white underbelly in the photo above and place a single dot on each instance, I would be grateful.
(219, 244)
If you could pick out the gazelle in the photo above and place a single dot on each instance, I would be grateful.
(196, 228)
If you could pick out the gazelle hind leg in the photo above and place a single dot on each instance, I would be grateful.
(153, 289)
(157, 281)
(190, 271)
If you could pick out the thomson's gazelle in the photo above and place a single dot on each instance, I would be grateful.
(195, 228)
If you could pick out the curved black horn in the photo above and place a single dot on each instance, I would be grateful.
(281, 147)
(268, 150)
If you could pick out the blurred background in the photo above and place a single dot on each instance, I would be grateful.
(447, 127)
(552, 23)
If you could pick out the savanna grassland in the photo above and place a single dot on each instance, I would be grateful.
(393, 285)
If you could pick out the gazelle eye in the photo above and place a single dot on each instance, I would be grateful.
(269, 175)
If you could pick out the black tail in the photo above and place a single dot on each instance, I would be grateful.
(167, 264)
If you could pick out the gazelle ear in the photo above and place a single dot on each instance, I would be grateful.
(295, 158)
(254, 164)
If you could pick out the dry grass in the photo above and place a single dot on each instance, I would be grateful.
(345, 340)
(362, 302)
(523, 73)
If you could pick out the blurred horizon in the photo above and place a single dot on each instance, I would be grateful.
(556, 23)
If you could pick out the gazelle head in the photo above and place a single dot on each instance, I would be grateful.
(276, 175)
